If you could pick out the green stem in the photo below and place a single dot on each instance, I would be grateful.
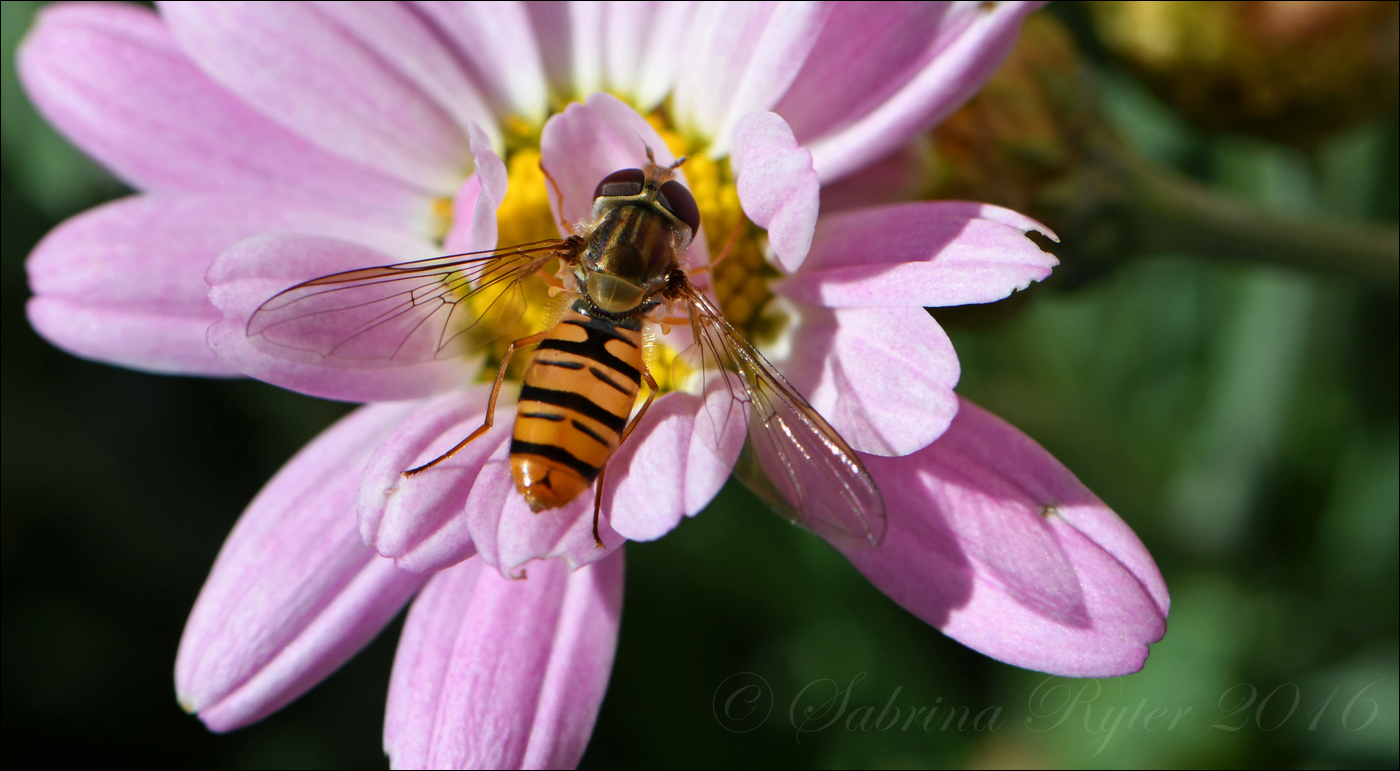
(1171, 213)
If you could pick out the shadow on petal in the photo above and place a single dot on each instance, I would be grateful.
(660, 475)
(673, 465)
(997, 544)
(884, 379)
(508, 534)
(421, 521)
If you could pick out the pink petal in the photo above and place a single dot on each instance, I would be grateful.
(841, 80)
(293, 594)
(464, 206)
(320, 79)
(500, 673)
(764, 72)
(777, 186)
(994, 542)
(496, 44)
(589, 141)
(508, 534)
(421, 521)
(161, 342)
(571, 43)
(112, 79)
(124, 283)
(883, 377)
(255, 270)
(920, 254)
(721, 36)
(475, 204)
(674, 476)
(406, 41)
(640, 53)
(898, 177)
(747, 55)
(673, 464)
(852, 108)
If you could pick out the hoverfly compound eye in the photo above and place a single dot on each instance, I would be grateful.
(620, 183)
(681, 203)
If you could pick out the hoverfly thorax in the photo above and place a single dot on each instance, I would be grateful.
(644, 219)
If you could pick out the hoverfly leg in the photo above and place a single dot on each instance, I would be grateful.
(671, 321)
(652, 388)
(598, 506)
(553, 281)
(558, 196)
(490, 404)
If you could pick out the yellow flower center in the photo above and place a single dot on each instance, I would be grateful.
(524, 215)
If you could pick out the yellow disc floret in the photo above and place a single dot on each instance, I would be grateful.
(524, 216)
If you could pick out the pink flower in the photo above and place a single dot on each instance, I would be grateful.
(276, 143)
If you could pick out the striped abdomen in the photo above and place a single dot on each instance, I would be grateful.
(578, 393)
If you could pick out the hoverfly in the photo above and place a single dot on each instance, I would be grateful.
(585, 374)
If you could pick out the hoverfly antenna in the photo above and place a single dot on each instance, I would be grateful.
(651, 157)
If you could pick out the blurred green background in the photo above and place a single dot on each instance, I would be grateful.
(1240, 415)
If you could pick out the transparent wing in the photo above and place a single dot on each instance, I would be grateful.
(793, 460)
(409, 313)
